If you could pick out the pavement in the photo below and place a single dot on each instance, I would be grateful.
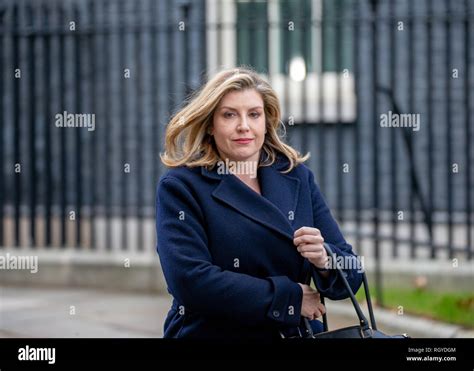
(55, 312)
(27, 312)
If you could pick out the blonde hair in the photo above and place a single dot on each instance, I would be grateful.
(188, 141)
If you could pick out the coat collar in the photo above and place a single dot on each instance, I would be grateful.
(273, 208)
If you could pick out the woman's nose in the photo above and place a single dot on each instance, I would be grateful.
(243, 125)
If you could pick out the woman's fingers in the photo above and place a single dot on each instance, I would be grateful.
(307, 235)
(310, 244)
(306, 230)
(312, 307)
(311, 255)
(321, 308)
(316, 314)
(310, 248)
(315, 239)
(319, 311)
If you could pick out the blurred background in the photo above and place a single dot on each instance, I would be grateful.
(88, 87)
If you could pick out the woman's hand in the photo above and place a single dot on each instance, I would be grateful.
(309, 243)
(311, 307)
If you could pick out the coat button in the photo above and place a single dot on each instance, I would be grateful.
(276, 314)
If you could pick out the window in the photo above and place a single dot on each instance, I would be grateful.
(336, 55)
(303, 47)
(252, 34)
(296, 39)
(298, 31)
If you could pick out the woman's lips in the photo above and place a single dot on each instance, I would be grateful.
(243, 141)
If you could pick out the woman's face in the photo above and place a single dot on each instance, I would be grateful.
(239, 125)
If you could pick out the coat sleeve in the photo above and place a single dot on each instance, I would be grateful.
(203, 287)
(332, 286)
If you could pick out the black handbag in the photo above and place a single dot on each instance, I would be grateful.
(361, 331)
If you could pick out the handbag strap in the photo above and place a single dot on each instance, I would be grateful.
(369, 301)
(362, 319)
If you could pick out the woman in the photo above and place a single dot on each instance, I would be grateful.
(240, 219)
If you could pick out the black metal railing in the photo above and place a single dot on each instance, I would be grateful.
(131, 64)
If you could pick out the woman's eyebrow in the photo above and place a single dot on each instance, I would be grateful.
(235, 109)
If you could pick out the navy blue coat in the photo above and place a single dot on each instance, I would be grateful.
(227, 252)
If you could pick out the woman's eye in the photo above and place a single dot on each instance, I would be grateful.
(228, 114)
(255, 115)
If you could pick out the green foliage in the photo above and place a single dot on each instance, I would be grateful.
(451, 307)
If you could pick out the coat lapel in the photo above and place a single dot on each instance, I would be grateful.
(274, 208)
